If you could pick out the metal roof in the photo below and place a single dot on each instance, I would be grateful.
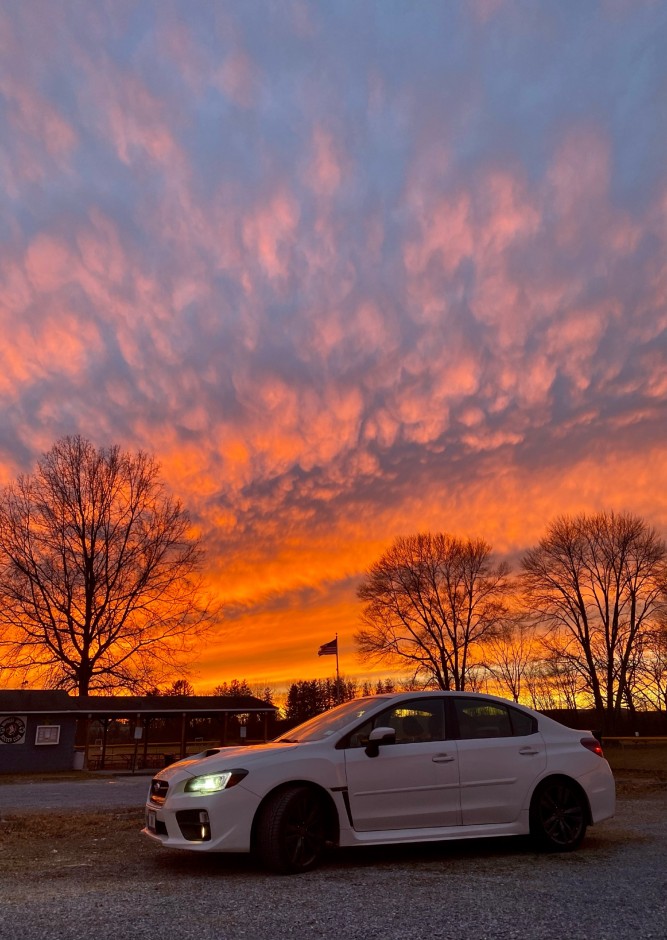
(58, 702)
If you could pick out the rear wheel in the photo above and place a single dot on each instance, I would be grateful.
(292, 831)
(558, 815)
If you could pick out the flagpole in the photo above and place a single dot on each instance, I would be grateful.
(327, 649)
(337, 675)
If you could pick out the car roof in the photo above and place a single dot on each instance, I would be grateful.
(445, 693)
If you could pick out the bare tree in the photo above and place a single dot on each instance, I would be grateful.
(541, 693)
(565, 677)
(649, 680)
(595, 583)
(99, 584)
(510, 654)
(430, 601)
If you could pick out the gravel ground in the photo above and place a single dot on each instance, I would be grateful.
(80, 874)
(98, 794)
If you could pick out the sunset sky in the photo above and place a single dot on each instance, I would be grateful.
(348, 269)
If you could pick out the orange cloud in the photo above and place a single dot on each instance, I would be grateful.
(342, 285)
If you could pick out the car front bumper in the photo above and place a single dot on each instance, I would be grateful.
(216, 822)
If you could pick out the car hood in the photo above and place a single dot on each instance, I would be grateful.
(223, 759)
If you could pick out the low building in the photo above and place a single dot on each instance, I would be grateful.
(37, 731)
(51, 730)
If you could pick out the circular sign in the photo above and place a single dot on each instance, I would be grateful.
(12, 729)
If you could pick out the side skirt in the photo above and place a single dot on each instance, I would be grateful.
(520, 827)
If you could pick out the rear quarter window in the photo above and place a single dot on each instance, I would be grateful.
(522, 723)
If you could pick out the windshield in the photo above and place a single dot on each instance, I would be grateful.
(326, 724)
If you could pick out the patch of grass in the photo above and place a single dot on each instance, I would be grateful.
(48, 842)
(640, 760)
(49, 776)
(69, 825)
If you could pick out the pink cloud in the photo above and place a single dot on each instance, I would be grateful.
(189, 58)
(364, 327)
(127, 113)
(48, 264)
(99, 243)
(139, 127)
(16, 293)
(579, 179)
(573, 340)
(510, 213)
(446, 235)
(269, 231)
(60, 344)
(326, 169)
(33, 118)
(27, 162)
(240, 78)
(382, 427)
(484, 10)
(460, 378)
(653, 368)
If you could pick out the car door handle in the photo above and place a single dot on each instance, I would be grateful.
(442, 758)
(528, 750)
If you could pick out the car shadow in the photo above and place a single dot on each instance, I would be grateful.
(212, 864)
(413, 854)
(428, 852)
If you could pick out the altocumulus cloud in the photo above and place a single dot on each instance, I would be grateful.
(349, 270)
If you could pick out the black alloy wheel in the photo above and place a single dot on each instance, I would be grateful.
(292, 831)
(558, 816)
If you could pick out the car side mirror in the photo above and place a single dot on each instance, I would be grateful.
(377, 737)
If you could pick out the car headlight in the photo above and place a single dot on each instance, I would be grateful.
(212, 783)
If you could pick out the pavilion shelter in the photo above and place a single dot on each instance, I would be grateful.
(44, 730)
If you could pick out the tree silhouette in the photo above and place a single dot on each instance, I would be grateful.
(430, 601)
(596, 584)
(309, 697)
(99, 584)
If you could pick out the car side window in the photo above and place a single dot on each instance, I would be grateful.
(522, 723)
(478, 718)
(481, 719)
(413, 721)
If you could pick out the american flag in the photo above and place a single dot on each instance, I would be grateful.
(328, 649)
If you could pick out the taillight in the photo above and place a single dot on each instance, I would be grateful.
(592, 744)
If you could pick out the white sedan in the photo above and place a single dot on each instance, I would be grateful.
(386, 769)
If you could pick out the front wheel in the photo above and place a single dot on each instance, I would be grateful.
(558, 816)
(292, 831)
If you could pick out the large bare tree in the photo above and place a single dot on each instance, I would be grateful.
(430, 601)
(99, 583)
(595, 581)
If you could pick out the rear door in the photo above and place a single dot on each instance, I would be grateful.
(500, 753)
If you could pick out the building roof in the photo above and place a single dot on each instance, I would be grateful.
(58, 702)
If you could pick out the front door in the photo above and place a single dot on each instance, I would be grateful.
(412, 784)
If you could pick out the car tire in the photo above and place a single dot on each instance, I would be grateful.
(292, 831)
(558, 815)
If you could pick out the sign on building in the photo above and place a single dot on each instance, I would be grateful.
(47, 734)
(12, 729)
